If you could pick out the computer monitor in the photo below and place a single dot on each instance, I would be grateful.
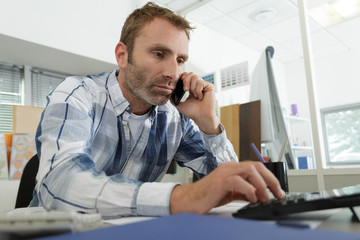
(273, 129)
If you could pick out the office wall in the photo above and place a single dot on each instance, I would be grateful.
(337, 80)
(210, 51)
(89, 28)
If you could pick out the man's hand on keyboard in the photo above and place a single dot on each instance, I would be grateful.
(231, 181)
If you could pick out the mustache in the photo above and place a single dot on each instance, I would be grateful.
(162, 80)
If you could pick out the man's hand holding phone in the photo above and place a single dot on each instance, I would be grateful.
(200, 105)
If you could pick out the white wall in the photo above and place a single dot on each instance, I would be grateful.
(337, 81)
(210, 51)
(296, 87)
(75, 37)
(89, 28)
(8, 194)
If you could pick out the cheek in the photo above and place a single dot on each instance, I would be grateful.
(154, 71)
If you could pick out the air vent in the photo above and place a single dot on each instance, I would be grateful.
(236, 75)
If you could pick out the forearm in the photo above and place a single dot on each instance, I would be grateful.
(209, 125)
(67, 187)
(72, 181)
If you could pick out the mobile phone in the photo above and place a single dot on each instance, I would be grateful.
(178, 92)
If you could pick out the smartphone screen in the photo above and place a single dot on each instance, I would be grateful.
(178, 93)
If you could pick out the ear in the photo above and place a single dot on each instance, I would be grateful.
(121, 54)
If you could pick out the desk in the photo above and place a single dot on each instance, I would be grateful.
(332, 219)
(214, 227)
(219, 221)
(224, 211)
(341, 221)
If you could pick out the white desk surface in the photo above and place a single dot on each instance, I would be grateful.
(312, 219)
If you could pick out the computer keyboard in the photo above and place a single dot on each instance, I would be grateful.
(301, 202)
(36, 221)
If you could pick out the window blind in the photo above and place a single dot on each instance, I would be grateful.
(11, 92)
(42, 83)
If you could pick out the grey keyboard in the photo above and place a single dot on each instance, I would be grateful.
(302, 202)
(37, 222)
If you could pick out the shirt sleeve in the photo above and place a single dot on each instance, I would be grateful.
(69, 179)
(201, 152)
(154, 197)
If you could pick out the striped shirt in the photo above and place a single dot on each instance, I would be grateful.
(86, 159)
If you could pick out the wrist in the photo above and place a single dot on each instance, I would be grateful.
(183, 200)
(209, 125)
(177, 201)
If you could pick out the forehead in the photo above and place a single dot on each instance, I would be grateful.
(161, 32)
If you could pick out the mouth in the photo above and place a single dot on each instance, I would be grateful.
(165, 89)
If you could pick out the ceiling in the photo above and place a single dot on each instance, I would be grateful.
(234, 18)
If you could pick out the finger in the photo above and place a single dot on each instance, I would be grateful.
(257, 180)
(271, 181)
(257, 174)
(193, 85)
(242, 188)
(199, 89)
(186, 78)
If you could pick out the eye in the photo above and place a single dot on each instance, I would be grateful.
(180, 61)
(158, 54)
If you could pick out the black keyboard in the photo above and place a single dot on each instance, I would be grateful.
(301, 202)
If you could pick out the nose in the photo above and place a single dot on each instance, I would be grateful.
(172, 69)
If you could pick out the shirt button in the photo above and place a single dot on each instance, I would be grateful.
(213, 145)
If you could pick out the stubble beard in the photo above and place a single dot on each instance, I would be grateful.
(136, 82)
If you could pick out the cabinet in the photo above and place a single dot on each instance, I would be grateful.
(300, 138)
(242, 123)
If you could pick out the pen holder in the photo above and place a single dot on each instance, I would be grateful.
(279, 169)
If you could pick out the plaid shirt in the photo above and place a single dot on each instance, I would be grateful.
(87, 164)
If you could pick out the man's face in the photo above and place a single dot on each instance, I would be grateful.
(159, 53)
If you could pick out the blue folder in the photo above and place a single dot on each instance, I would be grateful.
(192, 226)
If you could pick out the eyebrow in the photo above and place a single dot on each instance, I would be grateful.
(168, 50)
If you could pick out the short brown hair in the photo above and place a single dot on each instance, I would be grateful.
(141, 16)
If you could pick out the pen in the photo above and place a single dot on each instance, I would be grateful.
(257, 153)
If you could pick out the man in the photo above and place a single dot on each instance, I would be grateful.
(105, 141)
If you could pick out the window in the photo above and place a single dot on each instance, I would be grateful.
(11, 92)
(209, 78)
(236, 75)
(42, 83)
(342, 134)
